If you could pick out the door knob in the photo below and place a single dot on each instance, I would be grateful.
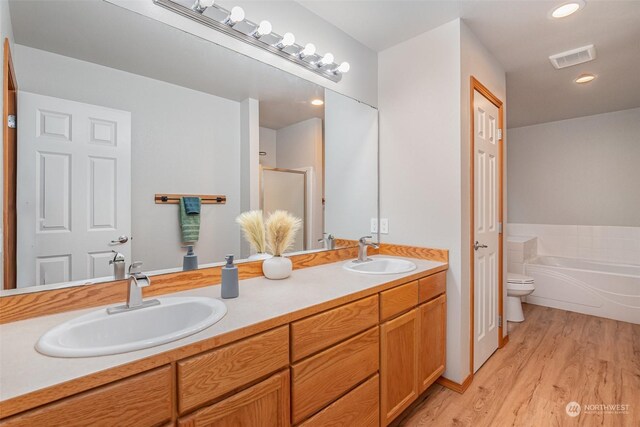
(120, 240)
(477, 246)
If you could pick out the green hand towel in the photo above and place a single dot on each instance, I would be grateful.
(190, 224)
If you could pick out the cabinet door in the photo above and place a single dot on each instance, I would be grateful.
(432, 340)
(399, 365)
(266, 404)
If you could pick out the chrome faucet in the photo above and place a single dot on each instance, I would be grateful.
(363, 245)
(118, 262)
(329, 241)
(137, 281)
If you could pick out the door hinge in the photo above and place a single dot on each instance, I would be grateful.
(499, 228)
(500, 321)
(11, 121)
(499, 134)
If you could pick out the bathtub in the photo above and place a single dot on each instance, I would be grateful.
(589, 287)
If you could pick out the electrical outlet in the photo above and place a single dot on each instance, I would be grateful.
(374, 225)
(384, 225)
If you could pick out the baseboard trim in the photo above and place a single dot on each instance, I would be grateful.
(504, 341)
(452, 385)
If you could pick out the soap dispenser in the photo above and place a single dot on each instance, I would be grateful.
(229, 279)
(190, 261)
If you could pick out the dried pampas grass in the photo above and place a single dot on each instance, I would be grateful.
(252, 225)
(281, 231)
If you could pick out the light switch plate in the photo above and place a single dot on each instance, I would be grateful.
(374, 225)
(384, 225)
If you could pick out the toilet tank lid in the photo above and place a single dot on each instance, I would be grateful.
(518, 278)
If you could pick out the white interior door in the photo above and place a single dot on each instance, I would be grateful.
(486, 232)
(74, 189)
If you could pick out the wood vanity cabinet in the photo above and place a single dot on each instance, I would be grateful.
(412, 344)
(359, 364)
(142, 400)
(398, 365)
(266, 404)
(432, 342)
(208, 376)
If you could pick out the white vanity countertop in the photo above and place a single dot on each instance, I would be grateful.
(24, 370)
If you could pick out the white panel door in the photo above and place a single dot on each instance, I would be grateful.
(486, 236)
(74, 189)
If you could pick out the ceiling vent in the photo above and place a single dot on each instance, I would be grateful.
(573, 57)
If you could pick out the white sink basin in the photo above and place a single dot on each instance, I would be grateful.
(381, 266)
(100, 334)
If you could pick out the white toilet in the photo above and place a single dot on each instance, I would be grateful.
(518, 286)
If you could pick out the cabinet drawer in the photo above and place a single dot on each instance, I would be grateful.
(321, 379)
(207, 376)
(432, 286)
(265, 404)
(397, 300)
(358, 408)
(142, 400)
(323, 330)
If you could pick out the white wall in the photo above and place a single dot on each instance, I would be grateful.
(423, 96)
(351, 163)
(301, 146)
(6, 31)
(582, 171)
(268, 145)
(420, 176)
(173, 149)
(359, 83)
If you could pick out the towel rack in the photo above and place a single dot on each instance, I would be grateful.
(205, 199)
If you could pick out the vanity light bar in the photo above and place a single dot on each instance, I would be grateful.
(285, 47)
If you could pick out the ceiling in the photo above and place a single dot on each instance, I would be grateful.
(521, 37)
(101, 33)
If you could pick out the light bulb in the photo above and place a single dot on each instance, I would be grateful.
(327, 59)
(237, 15)
(201, 5)
(308, 50)
(288, 39)
(264, 28)
(344, 67)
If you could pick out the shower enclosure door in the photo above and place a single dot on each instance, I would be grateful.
(286, 189)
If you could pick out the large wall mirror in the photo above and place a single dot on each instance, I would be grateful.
(118, 113)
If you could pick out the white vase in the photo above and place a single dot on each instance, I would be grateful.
(277, 267)
(259, 256)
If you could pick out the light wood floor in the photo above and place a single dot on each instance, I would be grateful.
(552, 358)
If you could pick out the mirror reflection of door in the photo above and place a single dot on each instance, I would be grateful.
(74, 198)
(9, 107)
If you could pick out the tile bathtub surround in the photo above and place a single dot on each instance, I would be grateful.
(599, 243)
(520, 249)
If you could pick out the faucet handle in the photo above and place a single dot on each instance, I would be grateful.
(364, 239)
(135, 267)
(117, 257)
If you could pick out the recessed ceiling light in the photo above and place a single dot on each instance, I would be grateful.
(317, 102)
(566, 9)
(585, 78)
